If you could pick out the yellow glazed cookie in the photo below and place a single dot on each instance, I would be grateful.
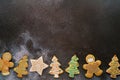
(21, 68)
(5, 64)
(92, 67)
(114, 67)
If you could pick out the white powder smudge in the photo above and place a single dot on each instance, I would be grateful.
(27, 36)
(18, 55)
(19, 52)
(44, 53)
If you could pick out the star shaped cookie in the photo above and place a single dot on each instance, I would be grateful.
(38, 65)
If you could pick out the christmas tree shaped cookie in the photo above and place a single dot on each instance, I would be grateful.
(55, 70)
(21, 68)
(5, 63)
(92, 67)
(114, 67)
(73, 67)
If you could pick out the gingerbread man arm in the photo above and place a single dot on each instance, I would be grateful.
(11, 64)
(98, 62)
(85, 66)
(1, 63)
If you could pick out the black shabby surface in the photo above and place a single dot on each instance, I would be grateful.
(62, 28)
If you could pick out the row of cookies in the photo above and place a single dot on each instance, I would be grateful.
(6, 63)
(38, 65)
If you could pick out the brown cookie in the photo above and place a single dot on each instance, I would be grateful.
(92, 67)
(5, 63)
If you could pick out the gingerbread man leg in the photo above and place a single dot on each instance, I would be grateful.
(89, 75)
(5, 71)
(99, 73)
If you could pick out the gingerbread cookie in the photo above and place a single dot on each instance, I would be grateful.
(92, 67)
(5, 63)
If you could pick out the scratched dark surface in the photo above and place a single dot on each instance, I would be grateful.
(62, 28)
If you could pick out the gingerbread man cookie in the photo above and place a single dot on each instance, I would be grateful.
(92, 67)
(5, 64)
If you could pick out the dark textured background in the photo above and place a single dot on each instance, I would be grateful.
(60, 27)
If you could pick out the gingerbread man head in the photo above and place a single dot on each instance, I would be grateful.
(7, 56)
(90, 58)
